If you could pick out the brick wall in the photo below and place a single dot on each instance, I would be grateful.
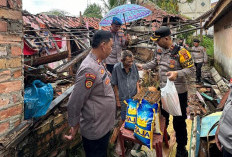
(47, 138)
(11, 79)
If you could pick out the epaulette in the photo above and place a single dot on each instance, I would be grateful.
(175, 49)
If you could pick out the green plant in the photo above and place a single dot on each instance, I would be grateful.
(93, 10)
(208, 43)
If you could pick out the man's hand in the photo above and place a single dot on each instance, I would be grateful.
(172, 75)
(139, 66)
(218, 143)
(72, 132)
(118, 103)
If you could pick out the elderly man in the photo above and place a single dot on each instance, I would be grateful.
(175, 63)
(223, 134)
(91, 105)
(199, 56)
(125, 79)
(118, 43)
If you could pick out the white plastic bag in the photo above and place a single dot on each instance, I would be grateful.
(170, 100)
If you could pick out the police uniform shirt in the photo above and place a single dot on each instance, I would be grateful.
(201, 56)
(225, 133)
(181, 62)
(118, 43)
(92, 102)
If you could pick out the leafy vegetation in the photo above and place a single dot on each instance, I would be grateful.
(209, 45)
(93, 10)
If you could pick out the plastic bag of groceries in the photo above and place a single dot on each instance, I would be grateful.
(170, 100)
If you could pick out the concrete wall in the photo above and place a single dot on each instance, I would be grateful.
(223, 45)
(194, 9)
(11, 79)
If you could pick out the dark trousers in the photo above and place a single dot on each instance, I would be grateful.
(198, 71)
(96, 148)
(179, 123)
(110, 67)
(225, 153)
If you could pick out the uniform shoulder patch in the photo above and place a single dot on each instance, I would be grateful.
(89, 80)
(185, 58)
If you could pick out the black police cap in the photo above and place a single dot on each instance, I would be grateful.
(196, 40)
(161, 32)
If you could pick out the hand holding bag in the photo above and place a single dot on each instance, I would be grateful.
(170, 99)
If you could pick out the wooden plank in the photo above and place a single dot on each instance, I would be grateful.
(195, 137)
(47, 59)
(53, 40)
(75, 60)
(69, 55)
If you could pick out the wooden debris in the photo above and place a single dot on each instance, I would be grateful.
(47, 59)
(114, 135)
(218, 79)
(223, 100)
(73, 61)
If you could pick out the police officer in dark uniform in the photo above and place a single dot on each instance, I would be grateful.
(175, 63)
(92, 104)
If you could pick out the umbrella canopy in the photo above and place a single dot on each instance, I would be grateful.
(131, 12)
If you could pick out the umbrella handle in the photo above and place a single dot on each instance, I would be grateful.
(125, 21)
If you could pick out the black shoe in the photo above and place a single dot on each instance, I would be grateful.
(181, 153)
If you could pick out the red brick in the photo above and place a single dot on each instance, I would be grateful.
(17, 73)
(17, 122)
(2, 63)
(7, 87)
(4, 102)
(14, 63)
(3, 51)
(3, 3)
(4, 127)
(10, 63)
(12, 111)
(5, 75)
(3, 26)
(6, 39)
(15, 98)
(10, 14)
(16, 51)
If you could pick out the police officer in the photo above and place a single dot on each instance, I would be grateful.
(175, 63)
(199, 56)
(91, 105)
(119, 42)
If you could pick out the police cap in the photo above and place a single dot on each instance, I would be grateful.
(116, 21)
(196, 40)
(161, 32)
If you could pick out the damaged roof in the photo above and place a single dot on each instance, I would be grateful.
(41, 21)
(222, 7)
